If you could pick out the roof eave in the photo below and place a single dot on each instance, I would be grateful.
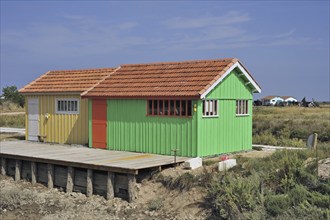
(143, 97)
(52, 93)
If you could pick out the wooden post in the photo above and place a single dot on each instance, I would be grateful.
(70, 179)
(110, 185)
(89, 185)
(131, 187)
(316, 156)
(50, 175)
(18, 169)
(3, 166)
(33, 172)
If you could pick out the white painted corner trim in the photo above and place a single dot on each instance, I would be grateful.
(241, 68)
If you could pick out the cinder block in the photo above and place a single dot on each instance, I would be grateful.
(193, 163)
(227, 164)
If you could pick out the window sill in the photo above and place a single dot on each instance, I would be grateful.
(169, 116)
(67, 113)
(242, 115)
(210, 116)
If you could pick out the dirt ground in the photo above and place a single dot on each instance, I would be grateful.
(22, 200)
(11, 136)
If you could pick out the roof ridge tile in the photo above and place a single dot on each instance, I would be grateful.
(179, 62)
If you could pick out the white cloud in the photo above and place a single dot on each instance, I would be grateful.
(232, 17)
(228, 31)
(76, 36)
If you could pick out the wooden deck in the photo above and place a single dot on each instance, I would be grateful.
(83, 157)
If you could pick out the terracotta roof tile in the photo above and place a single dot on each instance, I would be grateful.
(170, 79)
(61, 81)
(269, 97)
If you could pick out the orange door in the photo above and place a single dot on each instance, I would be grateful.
(99, 123)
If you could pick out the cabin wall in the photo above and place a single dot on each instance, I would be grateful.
(226, 132)
(61, 128)
(130, 129)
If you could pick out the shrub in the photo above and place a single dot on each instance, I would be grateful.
(319, 200)
(230, 195)
(277, 204)
(306, 211)
(183, 182)
(298, 194)
(155, 204)
(265, 138)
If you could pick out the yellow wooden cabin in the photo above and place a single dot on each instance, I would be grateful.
(55, 111)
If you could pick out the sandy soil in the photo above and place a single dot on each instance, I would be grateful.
(22, 200)
(11, 136)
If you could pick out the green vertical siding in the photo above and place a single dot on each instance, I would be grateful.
(129, 129)
(227, 132)
(232, 87)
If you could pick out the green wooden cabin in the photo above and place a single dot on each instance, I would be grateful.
(200, 108)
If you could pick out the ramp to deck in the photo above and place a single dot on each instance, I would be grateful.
(84, 157)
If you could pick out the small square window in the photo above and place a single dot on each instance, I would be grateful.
(210, 108)
(242, 107)
(67, 106)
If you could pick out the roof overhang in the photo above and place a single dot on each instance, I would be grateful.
(245, 73)
(51, 93)
(144, 97)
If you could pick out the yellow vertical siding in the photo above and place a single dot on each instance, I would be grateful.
(62, 128)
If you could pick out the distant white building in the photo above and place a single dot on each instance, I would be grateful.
(275, 100)
(289, 99)
(271, 100)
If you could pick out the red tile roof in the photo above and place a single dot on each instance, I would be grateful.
(170, 79)
(67, 81)
(272, 96)
(269, 97)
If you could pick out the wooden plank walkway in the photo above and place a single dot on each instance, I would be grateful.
(83, 157)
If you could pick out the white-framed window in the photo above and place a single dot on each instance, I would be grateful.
(242, 107)
(67, 106)
(210, 108)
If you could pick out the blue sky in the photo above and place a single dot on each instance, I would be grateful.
(285, 45)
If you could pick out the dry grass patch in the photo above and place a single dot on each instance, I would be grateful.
(290, 126)
(15, 121)
(10, 107)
